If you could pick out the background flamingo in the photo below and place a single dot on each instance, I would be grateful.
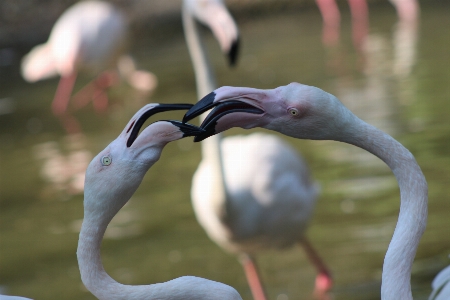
(111, 179)
(307, 112)
(251, 192)
(89, 36)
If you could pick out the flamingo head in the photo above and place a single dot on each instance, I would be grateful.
(117, 171)
(215, 15)
(296, 110)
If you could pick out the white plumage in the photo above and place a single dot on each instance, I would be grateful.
(271, 195)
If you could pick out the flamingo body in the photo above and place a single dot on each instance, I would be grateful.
(271, 195)
(90, 36)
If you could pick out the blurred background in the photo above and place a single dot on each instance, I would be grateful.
(391, 71)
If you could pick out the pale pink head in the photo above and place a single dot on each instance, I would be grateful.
(295, 110)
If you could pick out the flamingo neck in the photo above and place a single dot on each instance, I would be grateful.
(206, 83)
(396, 277)
(204, 75)
(93, 275)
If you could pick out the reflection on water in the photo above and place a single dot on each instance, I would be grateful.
(400, 86)
(64, 170)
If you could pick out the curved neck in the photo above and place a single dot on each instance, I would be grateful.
(93, 275)
(206, 83)
(204, 75)
(396, 277)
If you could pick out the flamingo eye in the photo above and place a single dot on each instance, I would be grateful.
(293, 111)
(106, 160)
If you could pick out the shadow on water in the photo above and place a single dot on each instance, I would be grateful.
(398, 82)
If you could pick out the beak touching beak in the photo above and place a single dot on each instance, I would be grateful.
(187, 129)
(221, 107)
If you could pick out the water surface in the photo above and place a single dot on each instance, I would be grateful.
(398, 82)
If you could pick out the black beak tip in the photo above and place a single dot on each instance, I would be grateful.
(233, 53)
(201, 137)
(188, 129)
(202, 105)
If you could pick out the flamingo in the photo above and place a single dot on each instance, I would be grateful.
(89, 36)
(111, 179)
(241, 191)
(307, 112)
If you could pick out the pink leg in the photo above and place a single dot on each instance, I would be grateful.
(253, 279)
(331, 21)
(360, 22)
(407, 10)
(69, 123)
(62, 95)
(324, 282)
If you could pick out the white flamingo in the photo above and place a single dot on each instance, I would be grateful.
(307, 112)
(89, 36)
(111, 179)
(249, 192)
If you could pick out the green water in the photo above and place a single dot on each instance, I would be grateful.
(156, 237)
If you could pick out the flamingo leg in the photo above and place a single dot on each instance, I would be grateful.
(407, 10)
(360, 22)
(331, 21)
(62, 95)
(70, 124)
(95, 91)
(324, 281)
(253, 278)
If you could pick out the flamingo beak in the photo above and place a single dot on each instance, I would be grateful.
(187, 129)
(200, 107)
(222, 108)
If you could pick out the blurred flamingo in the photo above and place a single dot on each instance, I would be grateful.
(111, 179)
(249, 192)
(89, 36)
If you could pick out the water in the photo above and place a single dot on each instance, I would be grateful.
(156, 237)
